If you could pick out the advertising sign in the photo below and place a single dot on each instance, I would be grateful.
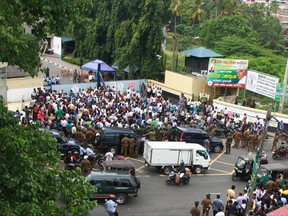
(279, 91)
(229, 73)
(262, 83)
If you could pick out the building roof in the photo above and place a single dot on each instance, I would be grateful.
(279, 212)
(201, 52)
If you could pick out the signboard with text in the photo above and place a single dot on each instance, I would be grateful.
(261, 83)
(229, 73)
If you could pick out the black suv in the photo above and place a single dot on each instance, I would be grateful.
(193, 135)
(64, 144)
(120, 183)
(111, 137)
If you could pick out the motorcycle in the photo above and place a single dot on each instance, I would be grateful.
(97, 159)
(184, 177)
(281, 152)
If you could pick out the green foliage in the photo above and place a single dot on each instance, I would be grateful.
(214, 29)
(18, 48)
(132, 38)
(31, 182)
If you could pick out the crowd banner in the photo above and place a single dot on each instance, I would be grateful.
(261, 83)
(229, 73)
(251, 113)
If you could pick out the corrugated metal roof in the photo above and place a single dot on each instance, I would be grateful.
(283, 211)
(201, 52)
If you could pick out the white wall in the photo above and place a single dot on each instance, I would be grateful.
(56, 45)
(16, 95)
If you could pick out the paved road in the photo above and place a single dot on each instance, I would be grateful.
(158, 199)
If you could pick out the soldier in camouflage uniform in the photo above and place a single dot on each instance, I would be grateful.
(131, 147)
(229, 141)
(137, 146)
(124, 146)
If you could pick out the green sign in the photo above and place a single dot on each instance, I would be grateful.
(279, 91)
(229, 73)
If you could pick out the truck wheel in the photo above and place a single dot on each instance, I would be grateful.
(166, 170)
(121, 198)
(113, 149)
(100, 163)
(198, 170)
(217, 149)
(234, 177)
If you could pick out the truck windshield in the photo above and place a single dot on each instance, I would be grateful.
(240, 163)
(202, 153)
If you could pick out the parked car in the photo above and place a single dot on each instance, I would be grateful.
(64, 144)
(120, 183)
(193, 135)
(111, 137)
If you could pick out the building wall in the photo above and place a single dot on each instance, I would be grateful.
(56, 45)
(176, 83)
(21, 88)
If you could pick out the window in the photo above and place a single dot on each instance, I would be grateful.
(198, 136)
(96, 183)
(111, 182)
(109, 137)
(202, 153)
(125, 183)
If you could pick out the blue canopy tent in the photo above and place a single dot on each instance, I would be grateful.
(99, 66)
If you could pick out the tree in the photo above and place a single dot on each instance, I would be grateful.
(20, 49)
(130, 39)
(195, 11)
(214, 29)
(31, 182)
(272, 35)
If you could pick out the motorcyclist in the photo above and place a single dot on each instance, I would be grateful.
(70, 160)
(181, 172)
(111, 205)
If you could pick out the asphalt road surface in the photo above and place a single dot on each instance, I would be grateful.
(155, 198)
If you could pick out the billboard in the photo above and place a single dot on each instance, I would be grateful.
(229, 73)
(261, 83)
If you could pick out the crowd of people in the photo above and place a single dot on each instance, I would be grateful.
(264, 199)
(149, 110)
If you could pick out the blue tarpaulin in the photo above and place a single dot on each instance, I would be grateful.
(93, 66)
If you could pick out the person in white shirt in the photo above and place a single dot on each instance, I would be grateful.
(109, 156)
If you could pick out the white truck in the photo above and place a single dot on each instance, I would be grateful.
(165, 156)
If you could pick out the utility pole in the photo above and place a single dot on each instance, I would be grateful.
(256, 162)
(281, 106)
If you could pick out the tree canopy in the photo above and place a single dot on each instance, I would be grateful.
(31, 182)
(19, 48)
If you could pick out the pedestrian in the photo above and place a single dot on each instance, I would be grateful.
(275, 141)
(124, 146)
(75, 76)
(231, 193)
(229, 143)
(206, 204)
(220, 212)
(206, 145)
(137, 146)
(47, 72)
(109, 156)
(230, 209)
(195, 211)
(131, 147)
(85, 166)
(217, 204)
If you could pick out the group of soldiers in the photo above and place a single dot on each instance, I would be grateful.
(130, 146)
